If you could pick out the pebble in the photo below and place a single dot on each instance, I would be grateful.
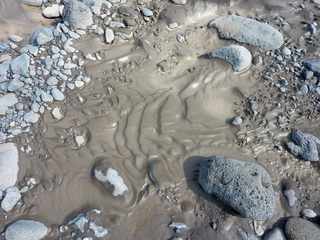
(57, 94)
(11, 198)
(57, 113)
(179, 2)
(109, 35)
(239, 57)
(244, 186)
(291, 197)
(286, 51)
(26, 230)
(309, 213)
(9, 167)
(52, 11)
(301, 229)
(147, 12)
(31, 117)
(249, 31)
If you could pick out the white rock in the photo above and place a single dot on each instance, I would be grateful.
(7, 101)
(9, 168)
(57, 114)
(309, 213)
(11, 198)
(112, 177)
(52, 11)
(109, 35)
(31, 117)
(57, 94)
(99, 231)
(179, 2)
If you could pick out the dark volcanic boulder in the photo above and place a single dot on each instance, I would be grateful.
(244, 186)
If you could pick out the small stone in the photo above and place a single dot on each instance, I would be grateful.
(147, 12)
(57, 94)
(26, 230)
(79, 84)
(109, 35)
(7, 101)
(52, 11)
(57, 113)
(20, 65)
(52, 81)
(300, 229)
(15, 38)
(9, 167)
(98, 231)
(31, 117)
(11, 198)
(178, 227)
(237, 121)
(42, 36)
(244, 186)
(179, 2)
(291, 197)
(286, 51)
(309, 213)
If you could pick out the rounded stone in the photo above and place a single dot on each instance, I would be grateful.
(244, 186)
(26, 230)
(300, 229)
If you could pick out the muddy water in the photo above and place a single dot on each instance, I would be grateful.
(151, 104)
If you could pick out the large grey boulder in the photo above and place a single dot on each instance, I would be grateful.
(249, 31)
(26, 230)
(239, 57)
(304, 145)
(42, 36)
(300, 229)
(244, 186)
(9, 168)
(77, 14)
(20, 65)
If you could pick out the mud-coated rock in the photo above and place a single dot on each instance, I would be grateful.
(244, 186)
(239, 57)
(249, 31)
(300, 229)
(304, 145)
(77, 14)
(26, 230)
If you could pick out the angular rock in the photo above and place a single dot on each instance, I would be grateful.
(26, 230)
(8, 165)
(313, 65)
(304, 145)
(42, 36)
(20, 65)
(77, 14)
(31, 117)
(7, 101)
(53, 11)
(300, 229)
(244, 186)
(11, 198)
(239, 57)
(249, 31)
(57, 94)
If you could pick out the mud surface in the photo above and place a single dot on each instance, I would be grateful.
(153, 104)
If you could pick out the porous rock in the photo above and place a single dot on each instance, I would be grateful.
(244, 186)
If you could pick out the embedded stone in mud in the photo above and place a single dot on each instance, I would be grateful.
(110, 177)
(77, 14)
(239, 57)
(26, 230)
(298, 229)
(304, 145)
(8, 165)
(244, 186)
(249, 31)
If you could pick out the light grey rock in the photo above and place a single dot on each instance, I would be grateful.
(15, 38)
(57, 94)
(31, 117)
(77, 14)
(109, 35)
(96, 5)
(304, 145)
(178, 227)
(9, 167)
(98, 231)
(286, 51)
(300, 229)
(4, 68)
(15, 85)
(274, 234)
(237, 121)
(11, 198)
(309, 213)
(179, 2)
(244, 186)
(57, 113)
(291, 197)
(52, 81)
(42, 36)
(20, 65)
(36, 3)
(239, 57)
(30, 49)
(249, 31)
(53, 11)
(7, 101)
(26, 230)
(147, 12)
(4, 47)
(313, 65)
